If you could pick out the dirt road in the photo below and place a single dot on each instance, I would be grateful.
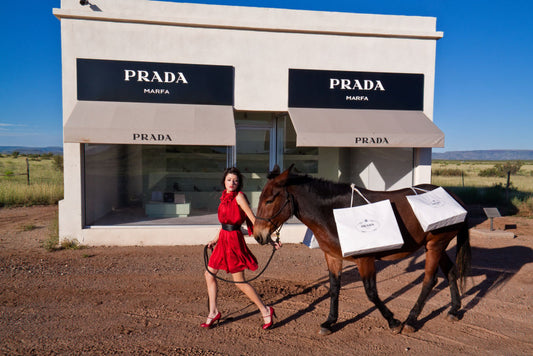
(151, 300)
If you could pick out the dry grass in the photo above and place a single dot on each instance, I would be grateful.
(472, 188)
(46, 182)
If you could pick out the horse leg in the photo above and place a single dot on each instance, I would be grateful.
(367, 270)
(430, 280)
(449, 270)
(335, 269)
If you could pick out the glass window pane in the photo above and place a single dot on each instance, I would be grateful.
(152, 184)
(305, 159)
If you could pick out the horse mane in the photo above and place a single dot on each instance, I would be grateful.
(323, 188)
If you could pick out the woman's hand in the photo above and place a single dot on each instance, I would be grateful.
(213, 242)
(277, 243)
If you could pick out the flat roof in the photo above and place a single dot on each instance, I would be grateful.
(251, 18)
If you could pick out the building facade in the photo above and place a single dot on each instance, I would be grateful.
(160, 97)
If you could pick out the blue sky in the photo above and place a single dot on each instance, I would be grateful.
(484, 68)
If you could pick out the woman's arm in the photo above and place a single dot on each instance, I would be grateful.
(243, 204)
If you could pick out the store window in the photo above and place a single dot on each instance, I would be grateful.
(305, 159)
(180, 184)
(152, 184)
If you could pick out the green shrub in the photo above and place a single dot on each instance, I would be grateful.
(501, 169)
(29, 227)
(524, 204)
(52, 243)
(58, 162)
(448, 172)
(509, 201)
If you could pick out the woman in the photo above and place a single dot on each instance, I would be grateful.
(231, 253)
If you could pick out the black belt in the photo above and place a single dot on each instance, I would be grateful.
(229, 227)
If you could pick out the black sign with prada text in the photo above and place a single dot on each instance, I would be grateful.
(107, 80)
(355, 90)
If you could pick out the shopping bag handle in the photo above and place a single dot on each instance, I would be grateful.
(414, 190)
(354, 188)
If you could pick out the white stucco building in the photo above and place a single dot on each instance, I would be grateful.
(160, 97)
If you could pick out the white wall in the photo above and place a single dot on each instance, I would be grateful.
(262, 44)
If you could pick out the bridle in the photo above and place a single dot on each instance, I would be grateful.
(289, 201)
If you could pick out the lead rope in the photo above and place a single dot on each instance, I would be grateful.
(206, 260)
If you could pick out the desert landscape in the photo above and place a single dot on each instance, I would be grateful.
(151, 300)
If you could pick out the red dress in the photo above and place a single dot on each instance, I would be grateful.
(231, 253)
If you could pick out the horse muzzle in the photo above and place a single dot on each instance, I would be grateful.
(262, 236)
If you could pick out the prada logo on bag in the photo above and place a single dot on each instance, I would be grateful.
(367, 225)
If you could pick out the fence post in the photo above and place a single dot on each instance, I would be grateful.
(28, 170)
(508, 184)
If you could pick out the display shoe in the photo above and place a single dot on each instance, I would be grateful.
(211, 321)
(271, 314)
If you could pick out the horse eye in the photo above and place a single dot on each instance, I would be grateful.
(271, 200)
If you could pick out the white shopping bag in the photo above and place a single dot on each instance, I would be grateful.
(436, 209)
(367, 228)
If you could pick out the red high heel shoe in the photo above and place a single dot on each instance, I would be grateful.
(211, 322)
(271, 314)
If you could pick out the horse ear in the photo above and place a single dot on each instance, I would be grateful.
(274, 173)
(290, 168)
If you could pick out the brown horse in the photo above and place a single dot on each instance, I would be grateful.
(312, 201)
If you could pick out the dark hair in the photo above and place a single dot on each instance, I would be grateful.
(235, 171)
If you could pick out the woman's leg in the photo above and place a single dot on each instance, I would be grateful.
(252, 294)
(212, 292)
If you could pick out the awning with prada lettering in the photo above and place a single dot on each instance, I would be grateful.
(364, 128)
(150, 123)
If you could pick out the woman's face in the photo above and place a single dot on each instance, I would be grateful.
(231, 182)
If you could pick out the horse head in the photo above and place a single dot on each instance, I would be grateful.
(275, 206)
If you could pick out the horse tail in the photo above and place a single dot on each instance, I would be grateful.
(463, 258)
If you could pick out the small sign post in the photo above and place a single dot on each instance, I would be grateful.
(491, 213)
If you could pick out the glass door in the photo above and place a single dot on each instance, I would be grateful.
(254, 150)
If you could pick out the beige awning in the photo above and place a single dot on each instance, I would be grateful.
(149, 123)
(364, 128)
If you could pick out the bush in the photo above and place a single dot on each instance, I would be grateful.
(58, 162)
(501, 170)
(449, 172)
(524, 205)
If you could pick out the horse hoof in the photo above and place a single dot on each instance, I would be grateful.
(452, 317)
(395, 326)
(324, 331)
(408, 329)
(396, 329)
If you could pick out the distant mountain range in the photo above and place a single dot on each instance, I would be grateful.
(486, 155)
(57, 150)
(480, 155)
